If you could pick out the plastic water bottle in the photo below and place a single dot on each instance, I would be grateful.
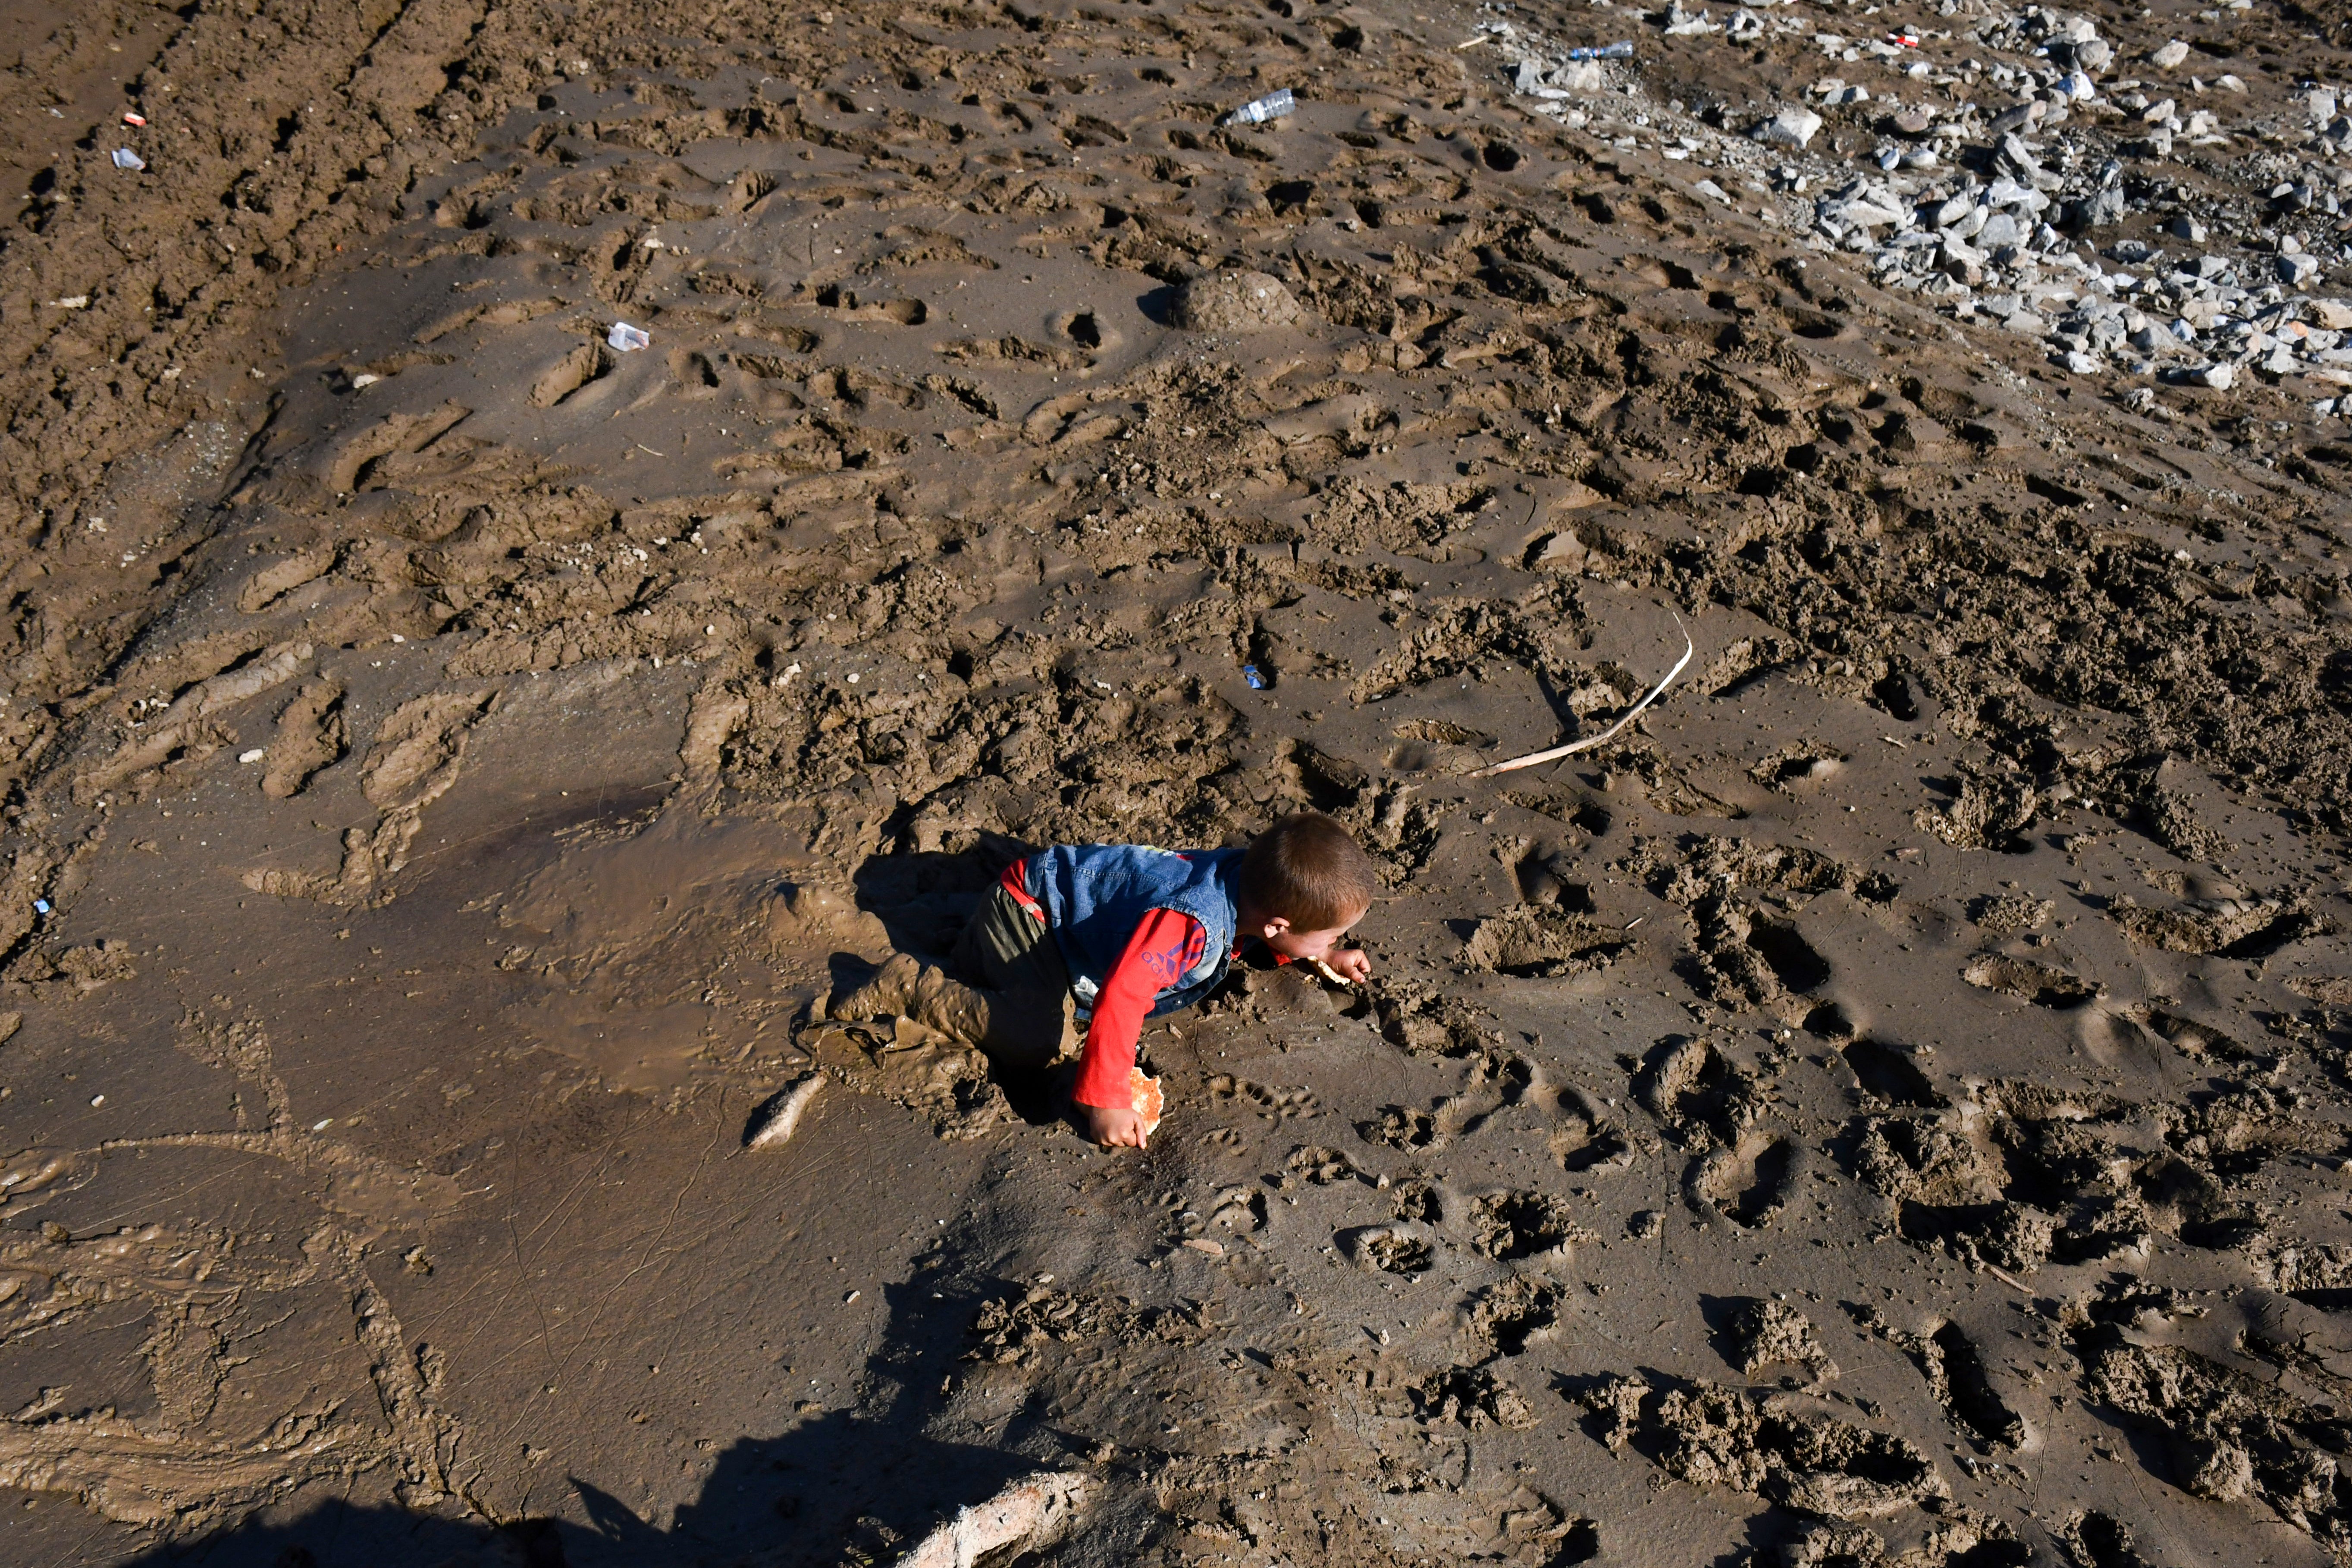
(1258, 111)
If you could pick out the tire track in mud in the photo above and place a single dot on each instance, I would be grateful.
(181, 1474)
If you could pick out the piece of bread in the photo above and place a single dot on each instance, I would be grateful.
(1148, 1102)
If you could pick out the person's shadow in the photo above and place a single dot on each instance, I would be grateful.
(869, 1482)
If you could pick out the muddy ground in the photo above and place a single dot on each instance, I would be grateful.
(1890, 1104)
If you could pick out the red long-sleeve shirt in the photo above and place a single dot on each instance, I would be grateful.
(1163, 949)
(1165, 945)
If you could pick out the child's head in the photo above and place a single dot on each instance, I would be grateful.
(1303, 883)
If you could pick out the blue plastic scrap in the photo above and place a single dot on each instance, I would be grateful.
(1619, 51)
(40, 906)
(1258, 682)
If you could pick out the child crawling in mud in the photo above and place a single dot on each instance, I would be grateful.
(1116, 933)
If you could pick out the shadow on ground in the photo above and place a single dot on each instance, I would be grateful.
(868, 1481)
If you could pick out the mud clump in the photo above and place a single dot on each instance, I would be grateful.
(1506, 1316)
(1712, 1435)
(1473, 1397)
(1764, 1334)
(1506, 1226)
(1235, 302)
(2232, 1438)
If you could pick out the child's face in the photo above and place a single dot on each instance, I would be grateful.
(1279, 935)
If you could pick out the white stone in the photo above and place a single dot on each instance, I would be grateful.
(2169, 57)
(2217, 377)
(2297, 271)
(1792, 127)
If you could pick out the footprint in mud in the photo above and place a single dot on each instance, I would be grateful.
(1700, 1095)
(1790, 958)
(1586, 1140)
(1504, 1317)
(2096, 1539)
(692, 375)
(1417, 1203)
(1392, 1249)
(309, 737)
(1957, 1375)
(1314, 1164)
(1472, 1396)
(1282, 1104)
(895, 312)
(1546, 874)
(1400, 1128)
(1793, 765)
(1747, 1183)
(1890, 1075)
(1508, 1226)
(279, 578)
(2035, 983)
(417, 749)
(1240, 1209)
(1541, 942)
(1967, 1395)
(585, 366)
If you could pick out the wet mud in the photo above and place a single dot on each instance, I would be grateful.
(1888, 1105)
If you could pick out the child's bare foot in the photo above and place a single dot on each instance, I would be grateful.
(889, 992)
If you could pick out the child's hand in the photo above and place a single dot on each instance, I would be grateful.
(1350, 963)
(1111, 1127)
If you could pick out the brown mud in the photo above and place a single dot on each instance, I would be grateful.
(1890, 1105)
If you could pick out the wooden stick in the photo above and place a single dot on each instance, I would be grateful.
(1534, 758)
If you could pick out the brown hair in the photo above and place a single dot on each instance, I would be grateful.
(1305, 869)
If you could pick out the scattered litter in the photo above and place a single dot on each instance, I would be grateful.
(322, 1124)
(364, 379)
(1621, 51)
(254, 755)
(853, 1295)
(97, 1099)
(1258, 682)
(72, 302)
(627, 339)
(132, 117)
(1329, 974)
(124, 158)
(776, 1120)
(1258, 111)
(41, 906)
(1533, 758)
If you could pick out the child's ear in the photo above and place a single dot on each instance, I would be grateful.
(1278, 925)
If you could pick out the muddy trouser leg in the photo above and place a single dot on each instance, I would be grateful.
(1012, 997)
